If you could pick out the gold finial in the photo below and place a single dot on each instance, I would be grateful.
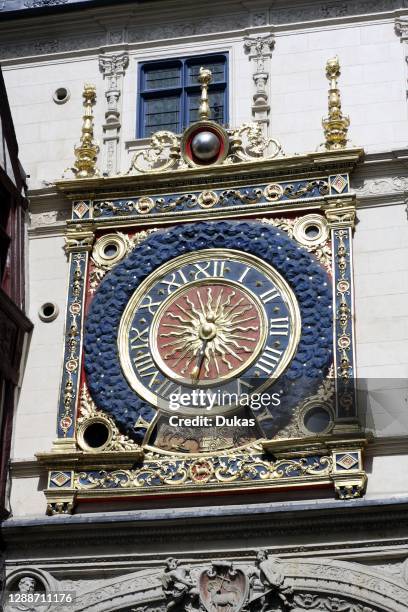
(87, 151)
(204, 78)
(336, 124)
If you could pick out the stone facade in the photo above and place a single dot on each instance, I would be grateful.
(316, 559)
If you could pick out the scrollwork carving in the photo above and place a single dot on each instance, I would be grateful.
(89, 413)
(43, 3)
(250, 467)
(247, 143)
(313, 601)
(163, 154)
(381, 186)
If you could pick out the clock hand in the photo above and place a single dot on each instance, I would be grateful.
(208, 331)
(195, 372)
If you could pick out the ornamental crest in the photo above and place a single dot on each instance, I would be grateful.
(223, 588)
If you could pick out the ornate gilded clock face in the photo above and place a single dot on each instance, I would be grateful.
(213, 318)
(231, 307)
(208, 331)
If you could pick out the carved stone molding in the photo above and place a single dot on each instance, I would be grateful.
(192, 27)
(48, 212)
(48, 222)
(266, 582)
(113, 68)
(334, 9)
(46, 45)
(401, 27)
(43, 3)
(259, 50)
(313, 12)
(372, 186)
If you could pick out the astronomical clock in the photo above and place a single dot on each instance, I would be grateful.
(209, 327)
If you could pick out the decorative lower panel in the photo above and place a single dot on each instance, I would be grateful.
(253, 468)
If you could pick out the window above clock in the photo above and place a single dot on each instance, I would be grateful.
(169, 93)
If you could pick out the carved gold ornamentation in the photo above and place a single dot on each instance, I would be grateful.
(311, 230)
(207, 199)
(339, 184)
(320, 249)
(273, 192)
(72, 342)
(163, 154)
(103, 260)
(230, 468)
(323, 398)
(246, 143)
(351, 490)
(60, 507)
(89, 415)
(341, 214)
(344, 312)
(144, 205)
(336, 124)
(293, 192)
(349, 478)
(79, 238)
(111, 248)
(80, 209)
(204, 78)
(201, 470)
(86, 153)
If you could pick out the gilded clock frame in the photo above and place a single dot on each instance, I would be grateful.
(69, 462)
(190, 258)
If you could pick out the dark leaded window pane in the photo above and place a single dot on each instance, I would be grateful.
(169, 93)
(216, 99)
(161, 114)
(217, 69)
(161, 78)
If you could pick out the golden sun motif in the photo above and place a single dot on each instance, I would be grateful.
(209, 332)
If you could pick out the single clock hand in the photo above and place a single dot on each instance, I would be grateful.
(195, 372)
(208, 331)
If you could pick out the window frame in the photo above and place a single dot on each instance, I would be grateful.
(184, 90)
